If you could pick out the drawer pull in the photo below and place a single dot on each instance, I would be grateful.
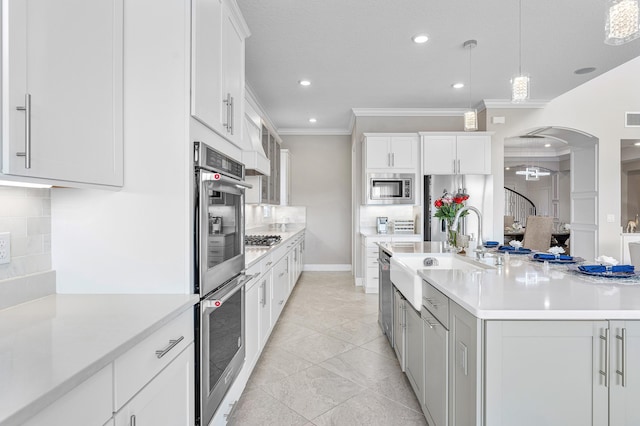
(172, 343)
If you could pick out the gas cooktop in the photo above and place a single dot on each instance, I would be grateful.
(262, 240)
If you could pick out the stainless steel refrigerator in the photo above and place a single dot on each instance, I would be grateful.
(477, 186)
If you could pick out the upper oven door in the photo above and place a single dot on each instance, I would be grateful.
(219, 230)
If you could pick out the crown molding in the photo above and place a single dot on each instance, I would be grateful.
(507, 104)
(314, 132)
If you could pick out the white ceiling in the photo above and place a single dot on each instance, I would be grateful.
(359, 53)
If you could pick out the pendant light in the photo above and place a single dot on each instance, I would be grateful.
(622, 22)
(471, 115)
(519, 83)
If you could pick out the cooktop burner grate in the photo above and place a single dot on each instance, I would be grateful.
(262, 240)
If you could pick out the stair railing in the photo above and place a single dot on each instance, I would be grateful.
(518, 206)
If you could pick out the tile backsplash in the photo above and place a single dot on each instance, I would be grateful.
(260, 215)
(26, 214)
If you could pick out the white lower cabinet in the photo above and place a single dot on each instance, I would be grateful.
(167, 400)
(414, 361)
(568, 372)
(624, 390)
(150, 384)
(280, 290)
(88, 404)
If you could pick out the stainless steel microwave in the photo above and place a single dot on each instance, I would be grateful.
(384, 188)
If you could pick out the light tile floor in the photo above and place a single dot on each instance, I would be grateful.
(327, 363)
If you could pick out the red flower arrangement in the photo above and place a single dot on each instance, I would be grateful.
(448, 205)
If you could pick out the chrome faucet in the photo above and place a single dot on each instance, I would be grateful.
(454, 225)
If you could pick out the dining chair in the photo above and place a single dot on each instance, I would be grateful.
(537, 234)
(634, 253)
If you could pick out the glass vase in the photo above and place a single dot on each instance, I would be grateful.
(451, 243)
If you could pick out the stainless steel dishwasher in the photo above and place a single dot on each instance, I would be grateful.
(385, 295)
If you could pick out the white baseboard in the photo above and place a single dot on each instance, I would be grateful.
(326, 268)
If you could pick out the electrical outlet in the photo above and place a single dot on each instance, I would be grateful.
(5, 247)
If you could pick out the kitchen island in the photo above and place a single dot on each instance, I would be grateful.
(522, 343)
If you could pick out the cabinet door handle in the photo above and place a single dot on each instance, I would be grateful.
(228, 102)
(232, 125)
(132, 420)
(172, 343)
(426, 321)
(393, 159)
(454, 167)
(27, 131)
(605, 372)
(263, 301)
(623, 371)
(459, 166)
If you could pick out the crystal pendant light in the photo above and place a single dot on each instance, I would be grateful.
(471, 115)
(622, 22)
(519, 83)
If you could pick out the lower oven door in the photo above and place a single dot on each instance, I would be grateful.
(222, 347)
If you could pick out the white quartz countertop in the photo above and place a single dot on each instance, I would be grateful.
(525, 290)
(49, 346)
(253, 254)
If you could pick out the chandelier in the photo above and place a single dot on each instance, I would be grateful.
(532, 173)
(622, 23)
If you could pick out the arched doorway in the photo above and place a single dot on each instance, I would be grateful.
(583, 151)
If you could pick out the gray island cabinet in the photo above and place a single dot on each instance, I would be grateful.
(522, 344)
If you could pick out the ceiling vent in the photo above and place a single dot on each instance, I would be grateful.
(632, 119)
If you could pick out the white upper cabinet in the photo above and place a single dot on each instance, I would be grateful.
(448, 154)
(217, 80)
(62, 75)
(391, 152)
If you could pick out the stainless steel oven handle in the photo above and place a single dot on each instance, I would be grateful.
(210, 303)
(210, 177)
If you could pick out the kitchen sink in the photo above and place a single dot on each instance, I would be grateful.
(405, 267)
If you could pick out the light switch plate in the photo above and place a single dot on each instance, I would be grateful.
(5, 247)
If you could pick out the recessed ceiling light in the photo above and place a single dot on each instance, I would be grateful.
(457, 85)
(586, 70)
(637, 144)
(312, 120)
(507, 168)
(420, 38)
(304, 83)
(547, 145)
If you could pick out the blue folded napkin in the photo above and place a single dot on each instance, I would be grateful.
(491, 243)
(506, 248)
(520, 250)
(549, 256)
(622, 268)
(592, 268)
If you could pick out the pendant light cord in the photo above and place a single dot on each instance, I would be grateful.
(520, 37)
(470, 47)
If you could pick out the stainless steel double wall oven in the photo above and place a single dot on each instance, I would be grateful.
(219, 276)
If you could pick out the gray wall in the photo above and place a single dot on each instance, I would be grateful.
(321, 181)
